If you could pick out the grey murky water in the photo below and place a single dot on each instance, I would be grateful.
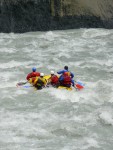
(57, 119)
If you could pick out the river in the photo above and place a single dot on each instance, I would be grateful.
(55, 119)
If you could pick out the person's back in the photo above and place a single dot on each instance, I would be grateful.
(54, 80)
(65, 80)
(66, 70)
(33, 74)
(41, 82)
(38, 82)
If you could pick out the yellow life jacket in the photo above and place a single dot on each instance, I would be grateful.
(38, 81)
(33, 80)
(41, 81)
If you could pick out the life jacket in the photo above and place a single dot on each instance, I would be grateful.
(67, 80)
(67, 73)
(32, 74)
(40, 82)
(33, 80)
(54, 79)
(37, 80)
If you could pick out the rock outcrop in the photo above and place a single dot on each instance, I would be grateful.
(41, 15)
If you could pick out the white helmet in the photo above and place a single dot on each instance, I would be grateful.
(52, 72)
(41, 74)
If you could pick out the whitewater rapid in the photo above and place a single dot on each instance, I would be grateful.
(53, 119)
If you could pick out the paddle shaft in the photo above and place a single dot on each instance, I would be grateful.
(21, 83)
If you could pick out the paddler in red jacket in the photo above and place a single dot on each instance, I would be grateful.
(53, 80)
(33, 74)
(66, 80)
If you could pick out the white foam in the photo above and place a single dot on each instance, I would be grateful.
(13, 63)
(106, 117)
(92, 33)
(91, 143)
(8, 50)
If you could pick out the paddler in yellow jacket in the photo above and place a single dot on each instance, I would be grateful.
(38, 82)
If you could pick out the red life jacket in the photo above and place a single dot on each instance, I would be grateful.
(67, 80)
(54, 79)
(67, 73)
(32, 74)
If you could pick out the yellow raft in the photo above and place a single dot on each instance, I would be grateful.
(63, 87)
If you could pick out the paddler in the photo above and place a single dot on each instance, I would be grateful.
(38, 82)
(66, 70)
(65, 80)
(33, 74)
(53, 80)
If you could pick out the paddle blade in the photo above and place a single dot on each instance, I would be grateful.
(78, 86)
(20, 83)
(27, 86)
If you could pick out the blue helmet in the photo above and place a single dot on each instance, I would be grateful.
(33, 69)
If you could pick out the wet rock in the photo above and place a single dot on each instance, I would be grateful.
(42, 15)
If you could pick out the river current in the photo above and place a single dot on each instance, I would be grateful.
(55, 119)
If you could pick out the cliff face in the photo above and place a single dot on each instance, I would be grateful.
(24, 15)
(41, 15)
(99, 8)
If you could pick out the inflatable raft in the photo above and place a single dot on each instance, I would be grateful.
(78, 85)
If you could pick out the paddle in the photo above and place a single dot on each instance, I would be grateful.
(79, 85)
(21, 83)
(27, 86)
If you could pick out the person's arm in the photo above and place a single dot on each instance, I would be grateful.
(60, 72)
(61, 78)
(73, 83)
(28, 76)
(72, 75)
